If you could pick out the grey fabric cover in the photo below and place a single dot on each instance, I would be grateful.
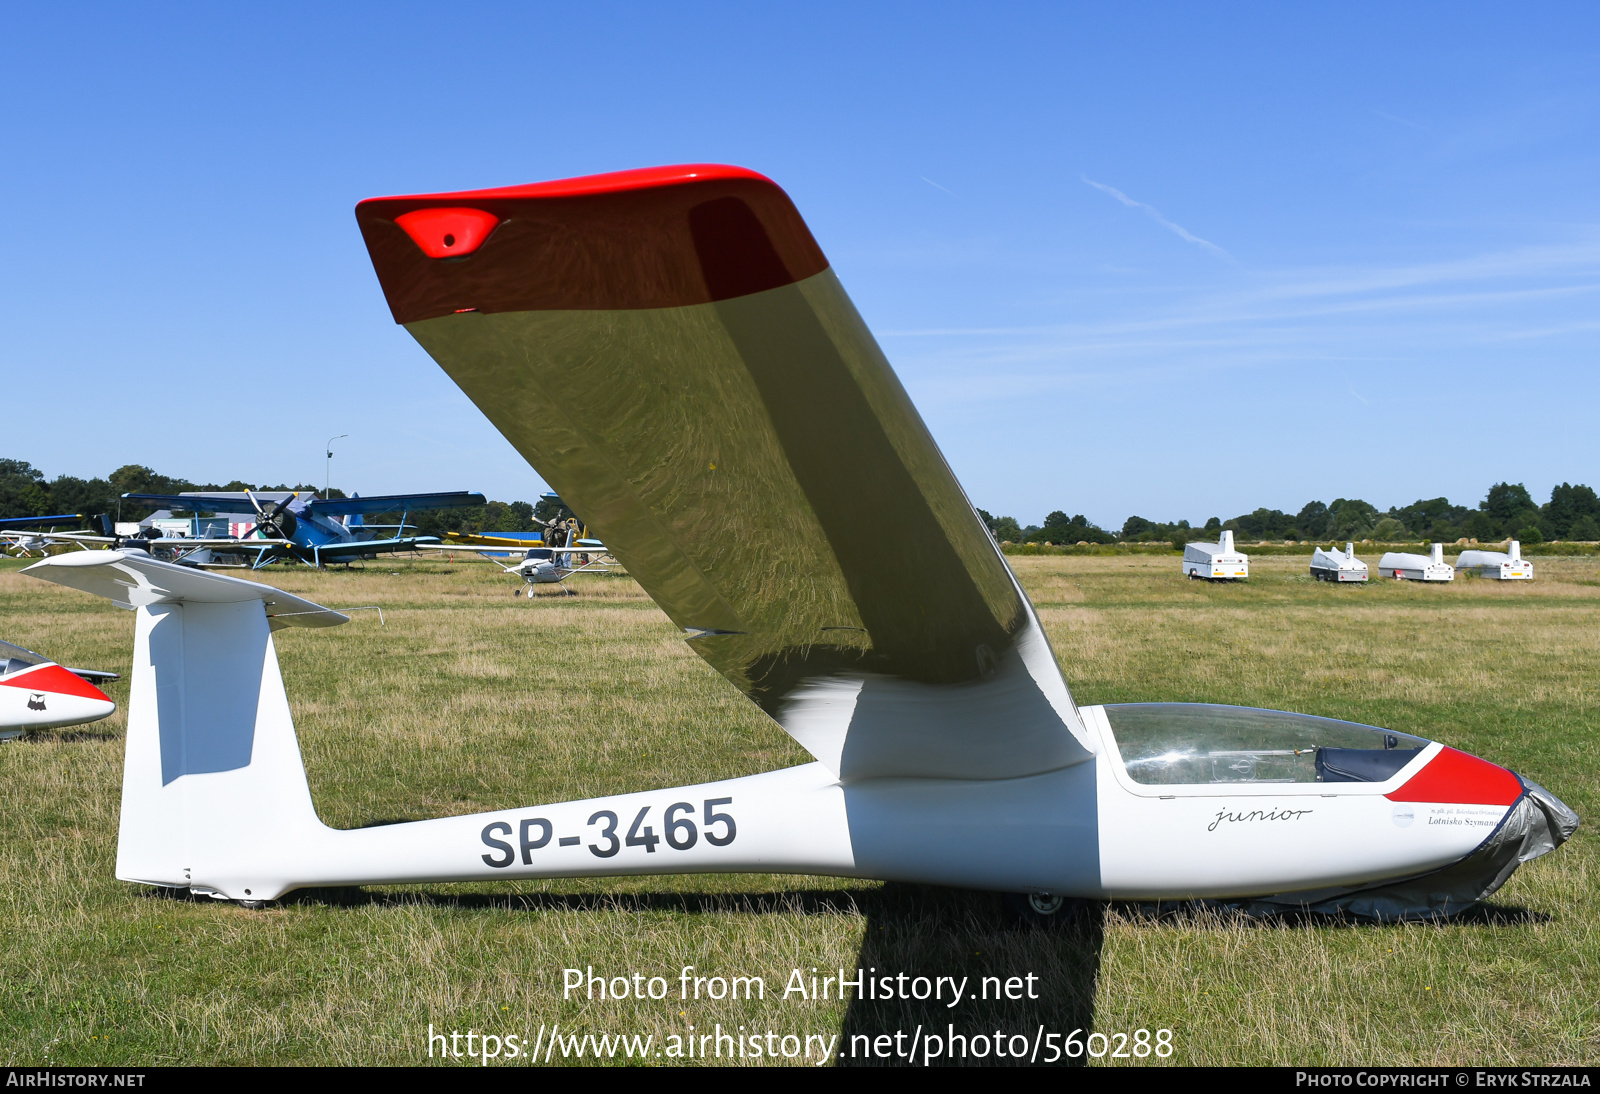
(1539, 822)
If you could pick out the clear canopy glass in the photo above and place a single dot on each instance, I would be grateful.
(15, 658)
(1187, 743)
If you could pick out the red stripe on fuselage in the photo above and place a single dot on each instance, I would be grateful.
(56, 680)
(1460, 779)
(662, 237)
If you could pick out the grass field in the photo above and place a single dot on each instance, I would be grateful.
(471, 700)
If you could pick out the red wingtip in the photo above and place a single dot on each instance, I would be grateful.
(610, 182)
(658, 237)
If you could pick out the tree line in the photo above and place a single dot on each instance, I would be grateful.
(1572, 513)
(1508, 511)
(25, 492)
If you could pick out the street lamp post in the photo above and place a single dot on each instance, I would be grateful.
(327, 464)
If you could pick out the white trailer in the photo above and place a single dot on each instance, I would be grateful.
(1215, 561)
(1499, 565)
(1334, 566)
(1407, 567)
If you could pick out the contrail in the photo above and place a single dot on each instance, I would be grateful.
(1177, 229)
(936, 186)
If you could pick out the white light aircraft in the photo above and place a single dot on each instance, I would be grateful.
(537, 566)
(560, 554)
(670, 350)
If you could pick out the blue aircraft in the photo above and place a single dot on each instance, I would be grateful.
(299, 525)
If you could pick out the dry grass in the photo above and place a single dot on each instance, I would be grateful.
(469, 700)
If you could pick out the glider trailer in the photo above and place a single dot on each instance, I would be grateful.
(1335, 566)
(1216, 561)
(671, 352)
(1507, 565)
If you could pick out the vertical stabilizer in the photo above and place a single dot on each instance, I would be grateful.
(1438, 554)
(212, 782)
(1516, 551)
(1226, 542)
(213, 773)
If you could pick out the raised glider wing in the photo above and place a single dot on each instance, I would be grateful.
(302, 525)
(670, 351)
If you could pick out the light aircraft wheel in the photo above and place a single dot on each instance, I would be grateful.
(1040, 909)
(253, 905)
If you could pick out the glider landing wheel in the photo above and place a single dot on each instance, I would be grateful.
(1039, 909)
(253, 905)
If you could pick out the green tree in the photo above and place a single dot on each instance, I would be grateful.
(1312, 520)
(1060, 528)
(1585, 529)
(1389, 530)
(1509, 506)
(1004, 529)
(1568, 505)
(1350, 518)
(1137, 528)
(20, 482)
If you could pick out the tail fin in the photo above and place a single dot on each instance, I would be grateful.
(212, 776)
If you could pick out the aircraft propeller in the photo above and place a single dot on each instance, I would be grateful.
(280, 520)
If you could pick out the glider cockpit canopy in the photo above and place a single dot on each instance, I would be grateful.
(1186, 743)
(15, 658)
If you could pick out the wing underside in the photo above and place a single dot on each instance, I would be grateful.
(670, 351)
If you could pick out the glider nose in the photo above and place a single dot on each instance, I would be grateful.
(1458, 778)
(56, 697)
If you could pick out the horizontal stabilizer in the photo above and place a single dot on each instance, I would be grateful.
(132, 579)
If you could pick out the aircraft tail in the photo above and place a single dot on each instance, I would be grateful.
(213, 780)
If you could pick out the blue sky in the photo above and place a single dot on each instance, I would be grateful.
(1169, 259)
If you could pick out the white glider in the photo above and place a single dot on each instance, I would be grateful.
(671, 352)
(37, 693)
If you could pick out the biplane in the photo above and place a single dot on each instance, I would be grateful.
(670, 350)
(299, 526)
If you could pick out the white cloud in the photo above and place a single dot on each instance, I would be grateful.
(1177, 229)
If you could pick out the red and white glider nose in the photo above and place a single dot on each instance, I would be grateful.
(48, 696)
(1453, 777)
